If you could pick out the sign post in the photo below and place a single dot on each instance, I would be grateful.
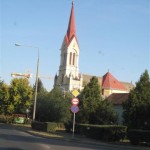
(74, 108)
(74, 115)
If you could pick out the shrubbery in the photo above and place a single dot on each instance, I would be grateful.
(46, 126)
(102, 132)
(6, 119)
(136, 136)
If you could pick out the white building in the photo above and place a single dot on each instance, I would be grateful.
(68, 76)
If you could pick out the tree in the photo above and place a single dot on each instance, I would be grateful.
(137, 107)
(40, 87)
(41, 95)
(93, 109)
(5, 106)
(54, 107)
(21, 94)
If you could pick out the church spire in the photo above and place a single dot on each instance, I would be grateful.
(71, 31)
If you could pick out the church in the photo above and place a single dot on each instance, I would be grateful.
(69, 78)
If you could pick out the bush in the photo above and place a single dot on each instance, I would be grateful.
(6, 119)
(102, 132)
(68, 126)
(60, 126)
(51, 127)
(136, 136)
(40, 126)
(46, 126)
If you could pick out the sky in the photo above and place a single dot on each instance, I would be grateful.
(113, 35)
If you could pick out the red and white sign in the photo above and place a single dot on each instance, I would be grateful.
(75, 101)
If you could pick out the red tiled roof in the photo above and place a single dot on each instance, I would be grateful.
(118, 98)
(71, 31)
(110, 82)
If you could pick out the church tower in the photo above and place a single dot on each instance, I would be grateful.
(69, 77)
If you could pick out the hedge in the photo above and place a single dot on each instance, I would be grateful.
(46, 126)
(136, 136)
(102, 132)
(6, 119)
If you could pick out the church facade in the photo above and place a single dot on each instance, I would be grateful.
(69, 77)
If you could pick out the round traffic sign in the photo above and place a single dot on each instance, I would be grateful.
(75, 101)
(74, 108)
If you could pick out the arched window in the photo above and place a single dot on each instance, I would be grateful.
(73, 58)
(70, 60)
(64, 62)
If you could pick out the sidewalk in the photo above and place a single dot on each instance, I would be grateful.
(62, 135)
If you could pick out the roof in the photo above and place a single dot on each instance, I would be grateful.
(110, 82)
(118, 98)
(71, 31)
(86, 79)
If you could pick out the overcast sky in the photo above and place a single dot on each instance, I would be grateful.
(112, 34)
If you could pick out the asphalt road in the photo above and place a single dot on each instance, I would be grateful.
(13, 139)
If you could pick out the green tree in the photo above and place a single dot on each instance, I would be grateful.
(54, 107)
(41, 100)
(93, 109)
(137, 107)
(21, 94)
(5, 107)
(40, 87)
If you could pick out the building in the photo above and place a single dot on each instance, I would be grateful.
(69, 77)
(109, 84)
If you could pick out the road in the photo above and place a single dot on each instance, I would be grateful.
(13, 139)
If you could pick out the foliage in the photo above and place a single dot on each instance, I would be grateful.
(54, 107)
(6, 119)
(44, 126)
(93, 109)
(102, 132)
(137, 136)
(105, 114)
(137, 107)
(20, 95)
(5, 105)
(40, 87)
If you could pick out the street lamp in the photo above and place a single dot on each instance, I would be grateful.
(37, 75)
(27, 111)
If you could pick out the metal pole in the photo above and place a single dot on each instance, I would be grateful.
(73, 125)
(36, 86)
(37, 75)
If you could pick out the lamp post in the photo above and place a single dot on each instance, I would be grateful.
(27, 111)
(36, 82)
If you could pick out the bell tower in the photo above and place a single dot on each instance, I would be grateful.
(69, 77)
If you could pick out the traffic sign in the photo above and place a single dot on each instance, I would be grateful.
(75, 93)
(74, 108)
(75, 101)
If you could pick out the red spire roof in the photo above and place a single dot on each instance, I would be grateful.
(71, 31)
(110, 82)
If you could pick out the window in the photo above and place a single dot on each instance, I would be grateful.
(70, 58)
(73, 58)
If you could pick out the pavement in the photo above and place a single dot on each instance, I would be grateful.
(62, 135)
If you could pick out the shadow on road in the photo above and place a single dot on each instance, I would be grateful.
(4, 148)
